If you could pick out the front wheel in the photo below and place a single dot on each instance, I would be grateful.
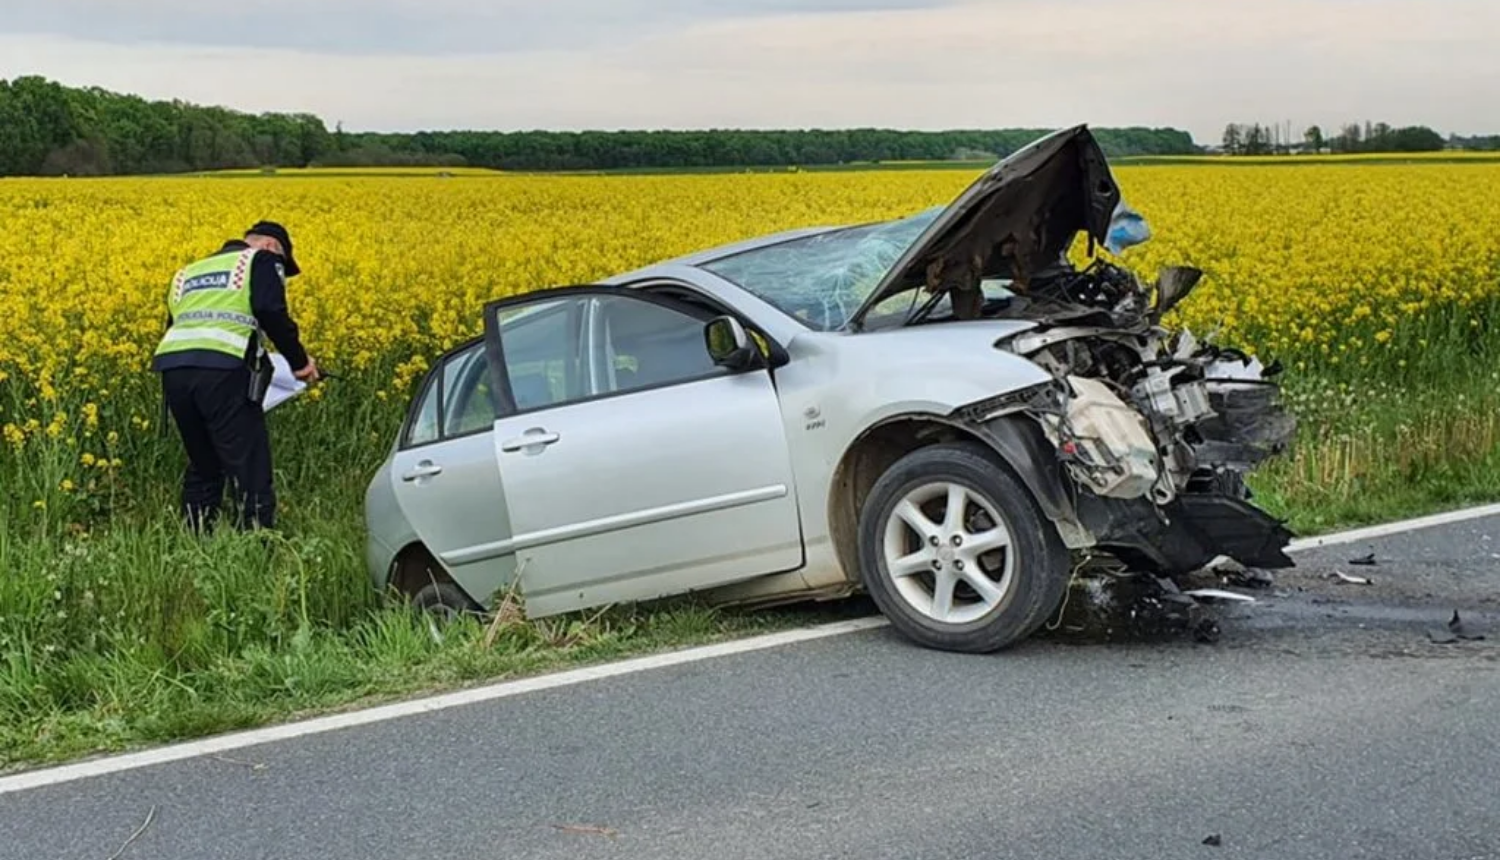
(957, 554)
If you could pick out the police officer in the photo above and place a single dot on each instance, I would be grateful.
(219, 311)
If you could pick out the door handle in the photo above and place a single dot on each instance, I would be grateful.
(530, 439)
(424, 469)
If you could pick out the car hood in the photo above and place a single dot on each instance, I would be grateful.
(1020, 216)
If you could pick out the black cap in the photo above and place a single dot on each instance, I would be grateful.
(279, 233)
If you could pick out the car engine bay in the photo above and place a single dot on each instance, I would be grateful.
(1156, 429)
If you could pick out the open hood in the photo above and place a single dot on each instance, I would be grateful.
(1019, 217)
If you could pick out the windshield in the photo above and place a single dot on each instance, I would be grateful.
(822, 280)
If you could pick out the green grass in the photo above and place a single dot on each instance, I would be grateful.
(116, 629)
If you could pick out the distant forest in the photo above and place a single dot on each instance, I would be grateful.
(1378, 137)
(50, 129)
(47, 128)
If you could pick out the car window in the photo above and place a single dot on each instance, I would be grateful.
(468, 405)
(424, 424)
(544, 351)
(823, 279)
(642, 344)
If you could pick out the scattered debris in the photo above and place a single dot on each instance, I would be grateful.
(1206, 631)
(136, 835)
(1367, 560)
(1230, 572)
(587, 828)
(1352, 580)
(1455, 631)
(1218, 594)
(1214, 840)
(252, 765)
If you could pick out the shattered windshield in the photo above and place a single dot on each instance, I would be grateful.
(822, 280)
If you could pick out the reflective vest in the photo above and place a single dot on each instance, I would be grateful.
(210, 306)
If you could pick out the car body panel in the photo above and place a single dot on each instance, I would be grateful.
(838, 386)
(460, 513)
(663, 491)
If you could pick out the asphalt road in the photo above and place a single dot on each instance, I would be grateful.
(1323, 723)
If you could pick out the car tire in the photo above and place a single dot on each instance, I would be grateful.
(999, 589)
(444, 601)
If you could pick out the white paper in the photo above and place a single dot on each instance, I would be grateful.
(284, 386)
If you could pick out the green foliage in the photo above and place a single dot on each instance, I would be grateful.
(50, 129)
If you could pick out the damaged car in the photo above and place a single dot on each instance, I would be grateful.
(941, 411)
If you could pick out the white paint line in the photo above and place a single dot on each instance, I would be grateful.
(1387, 529)
(192, 749)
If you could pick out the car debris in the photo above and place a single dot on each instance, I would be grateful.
(1455, 631)
(1230, 572)
(1213, 594)
(1367, 560)
(1350, 579)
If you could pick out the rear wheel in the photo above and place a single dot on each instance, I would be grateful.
(443, 602)
(957, 554)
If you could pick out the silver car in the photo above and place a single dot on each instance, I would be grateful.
(939, 410)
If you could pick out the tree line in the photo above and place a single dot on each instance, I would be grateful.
(1257, 139)
(47, 128)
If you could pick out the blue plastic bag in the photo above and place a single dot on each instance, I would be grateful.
(1127, 227)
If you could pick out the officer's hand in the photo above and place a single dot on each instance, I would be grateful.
(308, 373)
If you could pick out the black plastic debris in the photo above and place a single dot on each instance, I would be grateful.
(1214, 840)
(1455, 631)
(1366, 560)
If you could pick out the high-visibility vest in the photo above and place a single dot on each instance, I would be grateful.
(210, 306)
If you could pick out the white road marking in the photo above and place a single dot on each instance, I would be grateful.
(1387, 529)
(27, 780)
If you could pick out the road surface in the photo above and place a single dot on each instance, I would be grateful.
(1323, 723)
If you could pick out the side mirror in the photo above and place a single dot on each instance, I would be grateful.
(1173, 285)
(729, 344)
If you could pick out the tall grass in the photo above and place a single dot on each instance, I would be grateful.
(117, 628)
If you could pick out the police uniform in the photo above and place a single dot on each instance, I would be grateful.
(221, 310)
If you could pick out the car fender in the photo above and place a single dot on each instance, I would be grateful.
(839, 388)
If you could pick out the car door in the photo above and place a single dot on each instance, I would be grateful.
(636, 467)
(445, 471)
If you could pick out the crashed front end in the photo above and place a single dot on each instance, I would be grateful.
(1141, 444)
(1153, 433)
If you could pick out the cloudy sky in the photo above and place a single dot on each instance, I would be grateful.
(568, 64)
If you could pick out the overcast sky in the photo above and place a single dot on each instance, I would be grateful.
(406, 64)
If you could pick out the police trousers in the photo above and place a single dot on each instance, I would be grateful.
(227, 443)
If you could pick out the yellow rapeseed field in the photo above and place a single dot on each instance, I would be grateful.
(1327, 266)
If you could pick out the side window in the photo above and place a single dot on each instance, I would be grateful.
(424, 423)
(644, 344)
(456, 399)
(468, 402)
(544, 351)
